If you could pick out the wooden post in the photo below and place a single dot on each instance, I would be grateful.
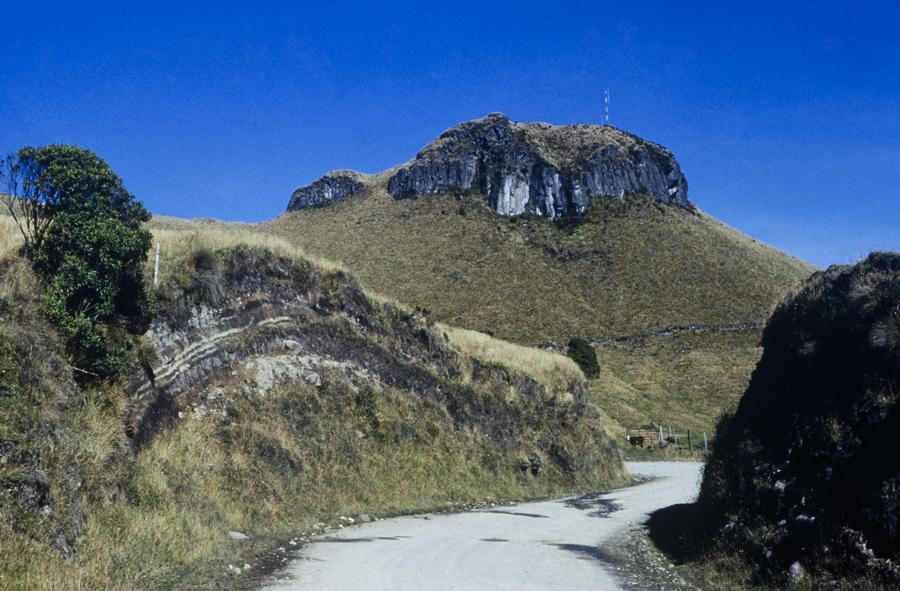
(156, 267)
(674, 437)
(705, 444)
(690, 442)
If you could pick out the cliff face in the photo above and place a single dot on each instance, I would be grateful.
(258, 322)
(547, 170)
(331, 188)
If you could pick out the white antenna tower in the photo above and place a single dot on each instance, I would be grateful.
(606, 107)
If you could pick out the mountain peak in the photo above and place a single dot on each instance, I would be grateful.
(548, 170)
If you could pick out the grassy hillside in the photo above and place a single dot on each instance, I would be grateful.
(621, 272)
(684, 380)
(632, 266)
(132, 486)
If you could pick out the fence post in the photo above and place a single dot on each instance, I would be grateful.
(690, 443)
(705, 444)
(660, 436)
(674, 437)
(156, 267)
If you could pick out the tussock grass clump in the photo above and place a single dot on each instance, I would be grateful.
(10, 237)
(180, 239)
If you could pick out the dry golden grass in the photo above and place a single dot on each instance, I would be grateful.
(10, 238)
(546, 367)
(632, 267)
(179, 237)
(158, 519)
(201, 479)
(685, 380)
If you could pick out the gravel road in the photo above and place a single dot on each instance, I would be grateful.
(560, 544)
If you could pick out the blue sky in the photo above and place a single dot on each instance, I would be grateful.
(785, 116)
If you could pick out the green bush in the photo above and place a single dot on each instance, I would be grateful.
(90, 255)
(584, 355)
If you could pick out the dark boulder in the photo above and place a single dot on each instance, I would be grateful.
(809, 460)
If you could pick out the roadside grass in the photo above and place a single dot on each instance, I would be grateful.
(271, 477)
(670, 453)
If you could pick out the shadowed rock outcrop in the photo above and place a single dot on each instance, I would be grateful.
(331, 188)
(807, 468)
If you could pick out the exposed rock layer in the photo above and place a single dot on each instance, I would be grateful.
(276, 322)
(548, 170)
(331, 188)
(552, 171)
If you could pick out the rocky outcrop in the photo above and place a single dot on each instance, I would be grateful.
(276, 321)
(547, 170)
(331, 188)
(806, 469)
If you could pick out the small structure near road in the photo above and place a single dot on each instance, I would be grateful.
(643, 437)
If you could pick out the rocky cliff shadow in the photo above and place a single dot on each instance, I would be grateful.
(675, 530)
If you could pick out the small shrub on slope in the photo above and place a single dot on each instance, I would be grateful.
(585, 356)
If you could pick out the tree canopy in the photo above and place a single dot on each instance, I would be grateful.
(83, 235)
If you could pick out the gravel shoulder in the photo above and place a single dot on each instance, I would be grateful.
(570, 543)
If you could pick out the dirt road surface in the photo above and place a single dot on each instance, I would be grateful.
(547, 545)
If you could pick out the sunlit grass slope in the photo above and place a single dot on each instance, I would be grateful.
(633, 265)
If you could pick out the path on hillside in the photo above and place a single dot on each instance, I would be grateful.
(663, 332)
(560, 544)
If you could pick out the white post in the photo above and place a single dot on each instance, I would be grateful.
(660, 436)
(705, 446)
(606, 107)
(156, 267)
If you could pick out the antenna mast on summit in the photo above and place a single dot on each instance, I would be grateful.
(606, 107)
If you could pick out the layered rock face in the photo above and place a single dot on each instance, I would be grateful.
(331, 188)
(257, 321)
(552, 171)
(548, 170)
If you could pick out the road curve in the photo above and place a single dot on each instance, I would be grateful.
(544, 545)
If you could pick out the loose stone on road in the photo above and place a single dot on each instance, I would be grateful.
(559, 544)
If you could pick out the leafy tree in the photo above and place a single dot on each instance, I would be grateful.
(584, 355)
(84, 236)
